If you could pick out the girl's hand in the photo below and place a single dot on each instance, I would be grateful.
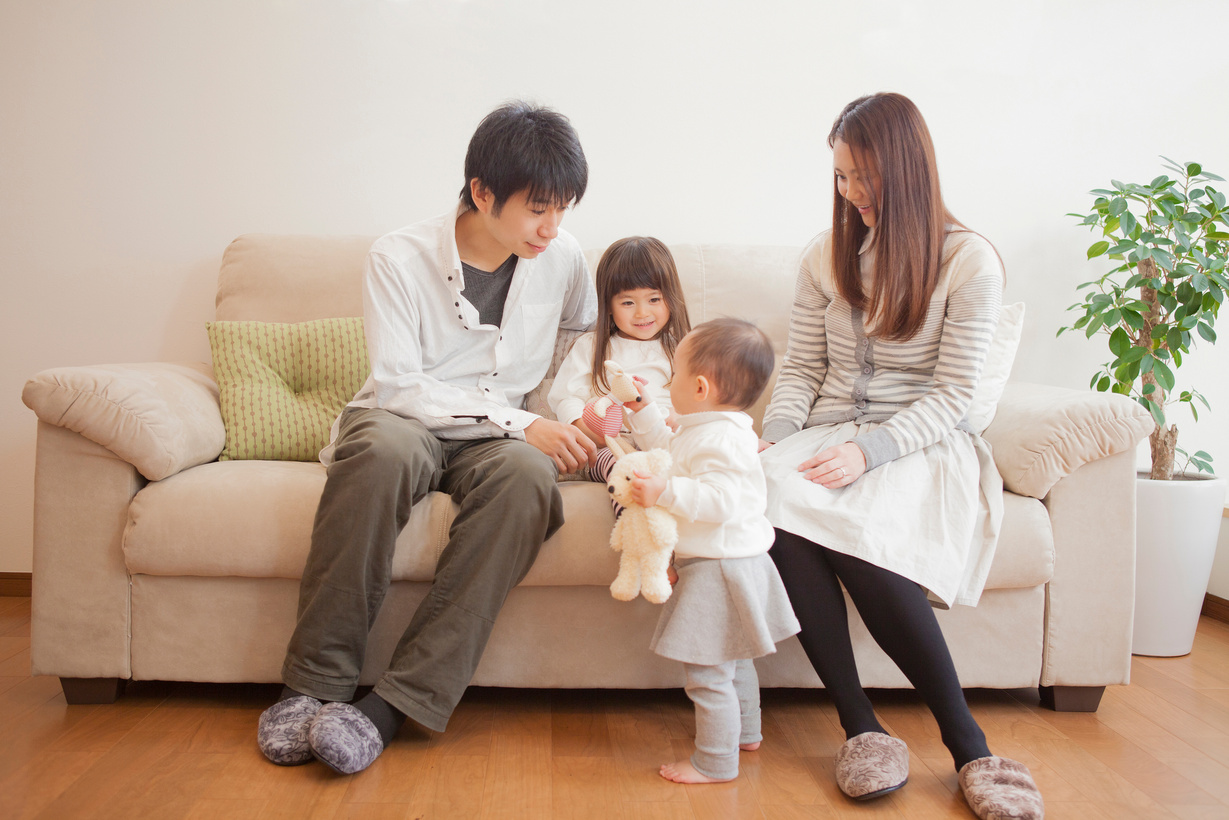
(835, 467)
(646, 488)
(645, 398)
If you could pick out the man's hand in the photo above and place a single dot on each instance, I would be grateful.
(646, 488)
(567, 446)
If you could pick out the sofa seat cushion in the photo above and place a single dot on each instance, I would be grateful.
(253, 519)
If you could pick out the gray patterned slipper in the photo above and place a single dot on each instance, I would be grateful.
(871, 765)
(997, 788)
(281, 731)
(344, 738)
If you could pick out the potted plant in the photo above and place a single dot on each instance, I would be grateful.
(1170, 240)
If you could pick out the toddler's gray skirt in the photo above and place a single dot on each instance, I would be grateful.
(724, 609)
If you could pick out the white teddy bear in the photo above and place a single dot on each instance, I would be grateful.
(645, 536)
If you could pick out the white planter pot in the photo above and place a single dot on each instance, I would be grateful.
(1177, 525)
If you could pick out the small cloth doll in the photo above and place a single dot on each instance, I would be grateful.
(604, 416)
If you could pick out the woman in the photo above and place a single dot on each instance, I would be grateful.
(876, 482)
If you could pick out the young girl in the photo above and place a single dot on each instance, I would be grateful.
(641, 318)
(729, 604)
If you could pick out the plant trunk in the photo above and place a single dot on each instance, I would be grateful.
(1163, 443)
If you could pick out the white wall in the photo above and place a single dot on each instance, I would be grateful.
(138, 138)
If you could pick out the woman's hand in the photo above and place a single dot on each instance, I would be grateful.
(764, 445)
(835, 467)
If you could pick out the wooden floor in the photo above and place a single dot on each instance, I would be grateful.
(1158, 748)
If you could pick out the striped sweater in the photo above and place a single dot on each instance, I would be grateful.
(835, 370)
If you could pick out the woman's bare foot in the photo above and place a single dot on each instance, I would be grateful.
(749, 747)
(683, 772)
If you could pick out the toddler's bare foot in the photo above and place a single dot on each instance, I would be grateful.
(749, 747)
(683, 772)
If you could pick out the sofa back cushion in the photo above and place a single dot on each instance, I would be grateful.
(276, 278)
(288, 279)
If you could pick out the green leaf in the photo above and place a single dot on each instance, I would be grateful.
(1103, 384)
(1193, 168)
(1133, 355)
(1203, 454)
(1097, 249)
(1117, 206)
(1119, 342)
(1207, 332)
(1174, 339)
(1128, 223)
(1219, 236)
(1158, 412)
(1164, 376)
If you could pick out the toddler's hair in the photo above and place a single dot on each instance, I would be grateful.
(735, 356)
(631, 264)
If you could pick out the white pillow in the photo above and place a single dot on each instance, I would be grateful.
(999, 359)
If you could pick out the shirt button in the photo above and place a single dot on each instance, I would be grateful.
(456, 304)
(507, 435)
(494, 374)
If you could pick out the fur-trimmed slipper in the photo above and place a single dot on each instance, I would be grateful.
(344, 739)
(871, 764)
(997, 788)
(281, 731)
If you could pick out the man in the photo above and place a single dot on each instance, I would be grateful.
(461, 314)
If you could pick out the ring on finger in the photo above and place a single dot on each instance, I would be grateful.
(843, 473)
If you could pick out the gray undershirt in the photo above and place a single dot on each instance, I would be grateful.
(487, 291)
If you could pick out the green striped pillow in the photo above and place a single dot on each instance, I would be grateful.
(282, 385)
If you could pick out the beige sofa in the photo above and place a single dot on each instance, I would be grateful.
(153, 560)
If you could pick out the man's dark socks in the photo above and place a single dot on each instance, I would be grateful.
(387, 719)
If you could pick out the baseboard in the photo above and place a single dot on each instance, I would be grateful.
(1215, 608)
(14, 585)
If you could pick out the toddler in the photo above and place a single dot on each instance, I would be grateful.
(641, 318)
(729, 604)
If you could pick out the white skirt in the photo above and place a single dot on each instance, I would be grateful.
(932, 516)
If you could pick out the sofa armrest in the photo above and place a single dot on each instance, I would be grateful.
(160, 417)
(1090, 599)
(80, 623)
(1040, 434)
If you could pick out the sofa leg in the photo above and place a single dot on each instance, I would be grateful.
(1071, 698)
(92, 690)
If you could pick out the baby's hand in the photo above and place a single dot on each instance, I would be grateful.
(645, 398)
(646, 488)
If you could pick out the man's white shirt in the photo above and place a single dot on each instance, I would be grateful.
(433, 361)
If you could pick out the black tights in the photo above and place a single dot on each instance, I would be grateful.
(901, 621)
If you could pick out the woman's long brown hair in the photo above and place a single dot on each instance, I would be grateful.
(886, 134)
(631, 264)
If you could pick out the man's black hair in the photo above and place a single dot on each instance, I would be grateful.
(525, 147)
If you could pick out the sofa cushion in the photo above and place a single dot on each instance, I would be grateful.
(159, 417)
(253, 519)
(282, 385)
(1042, 434)
(999, 359)
(286, 278)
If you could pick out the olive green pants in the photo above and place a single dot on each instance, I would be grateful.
(383, 465)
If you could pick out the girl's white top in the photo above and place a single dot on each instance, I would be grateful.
(573, 387)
